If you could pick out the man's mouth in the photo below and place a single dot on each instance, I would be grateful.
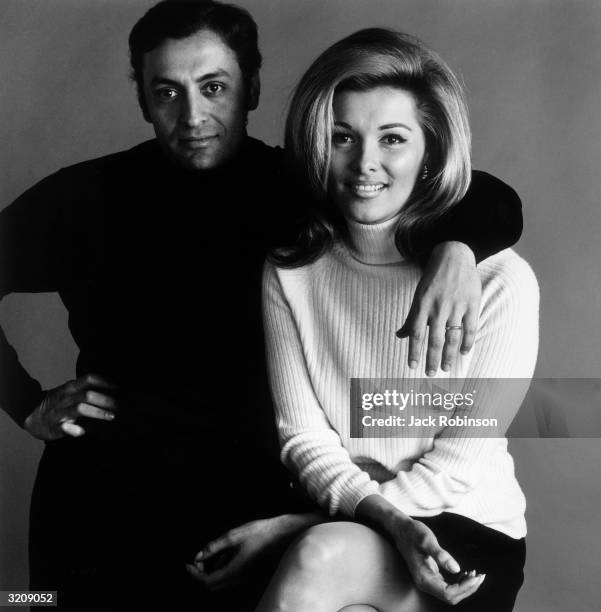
(364, 189)
(199, 142)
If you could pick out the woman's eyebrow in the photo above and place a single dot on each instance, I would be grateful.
(342, 124)
(394, 125)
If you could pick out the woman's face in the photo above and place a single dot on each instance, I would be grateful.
(377, 153)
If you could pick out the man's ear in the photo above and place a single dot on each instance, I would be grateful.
(254, 91)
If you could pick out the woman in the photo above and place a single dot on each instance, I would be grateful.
(378, 125)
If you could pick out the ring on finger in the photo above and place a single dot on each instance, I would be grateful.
(453, 327)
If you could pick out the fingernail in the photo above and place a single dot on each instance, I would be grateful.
(412, 364)
(464, 351)
(446, 367)
(453, 566)
(430, 372)
(472, 573)
(200, 556)
(110, 416)
(482, 577)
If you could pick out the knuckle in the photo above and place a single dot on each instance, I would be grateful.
(420, 582)
(417, 335)
(435, 342)
(89, 396)
(422, 540)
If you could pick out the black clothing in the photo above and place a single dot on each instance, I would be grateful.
(159, 268)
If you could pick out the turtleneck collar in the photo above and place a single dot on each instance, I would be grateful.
(373, 243)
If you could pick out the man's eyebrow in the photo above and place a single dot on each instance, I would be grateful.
(394, 125)
(205, 77)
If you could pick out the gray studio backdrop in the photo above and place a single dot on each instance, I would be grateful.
(532, 71)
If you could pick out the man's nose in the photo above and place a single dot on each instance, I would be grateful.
(366, 159)
(194, 111)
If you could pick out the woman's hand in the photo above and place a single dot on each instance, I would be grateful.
(56, 416)
(221, 563)
(448, 294)
(425, 559)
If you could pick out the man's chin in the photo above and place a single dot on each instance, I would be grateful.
(200, 160)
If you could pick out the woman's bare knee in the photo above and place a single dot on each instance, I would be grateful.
(336, 565)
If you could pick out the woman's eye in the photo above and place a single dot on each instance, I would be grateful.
(341, 138)
(393, 139)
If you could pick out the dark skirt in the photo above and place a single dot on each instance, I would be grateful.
(488, 551)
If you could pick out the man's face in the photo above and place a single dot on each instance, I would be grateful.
(195, 96)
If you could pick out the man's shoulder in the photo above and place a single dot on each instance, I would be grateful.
(122, 161)
(259, 150)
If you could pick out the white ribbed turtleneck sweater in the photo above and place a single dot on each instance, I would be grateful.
(335, 319)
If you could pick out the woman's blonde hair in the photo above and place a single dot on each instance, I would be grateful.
(369, 58)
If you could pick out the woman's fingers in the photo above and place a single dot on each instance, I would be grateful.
(454, 593)
(445, 561)
(214, 547)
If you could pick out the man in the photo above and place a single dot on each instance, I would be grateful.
(165, 440)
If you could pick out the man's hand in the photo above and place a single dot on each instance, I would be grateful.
(56, 416)
(448, 295)
(222, 562)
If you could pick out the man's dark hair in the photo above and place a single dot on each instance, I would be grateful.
(179, 19)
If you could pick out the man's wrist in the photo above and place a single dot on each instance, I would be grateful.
(33, 421)
(456, 250)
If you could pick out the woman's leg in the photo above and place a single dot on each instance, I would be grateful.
(335, 565)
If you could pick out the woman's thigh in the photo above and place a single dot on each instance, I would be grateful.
(336, 565)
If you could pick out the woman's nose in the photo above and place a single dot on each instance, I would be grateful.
(366, 159)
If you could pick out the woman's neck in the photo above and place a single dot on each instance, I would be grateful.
(373, 243)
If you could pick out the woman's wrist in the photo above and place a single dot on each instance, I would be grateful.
(294, 523)
(377, 512)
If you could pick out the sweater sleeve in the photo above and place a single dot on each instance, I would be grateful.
(310, 446)
(505, 348)
(30, 240)
(488, 219)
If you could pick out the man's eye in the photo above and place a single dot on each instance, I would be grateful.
(166, 94)
(341, 138)
(393, 139)
(214, 88)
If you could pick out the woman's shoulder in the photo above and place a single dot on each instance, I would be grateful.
(509, 273)
(298, 277)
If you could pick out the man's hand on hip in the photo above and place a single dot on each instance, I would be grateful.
(58, 414)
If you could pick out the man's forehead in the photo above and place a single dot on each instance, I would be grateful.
(202, 52)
